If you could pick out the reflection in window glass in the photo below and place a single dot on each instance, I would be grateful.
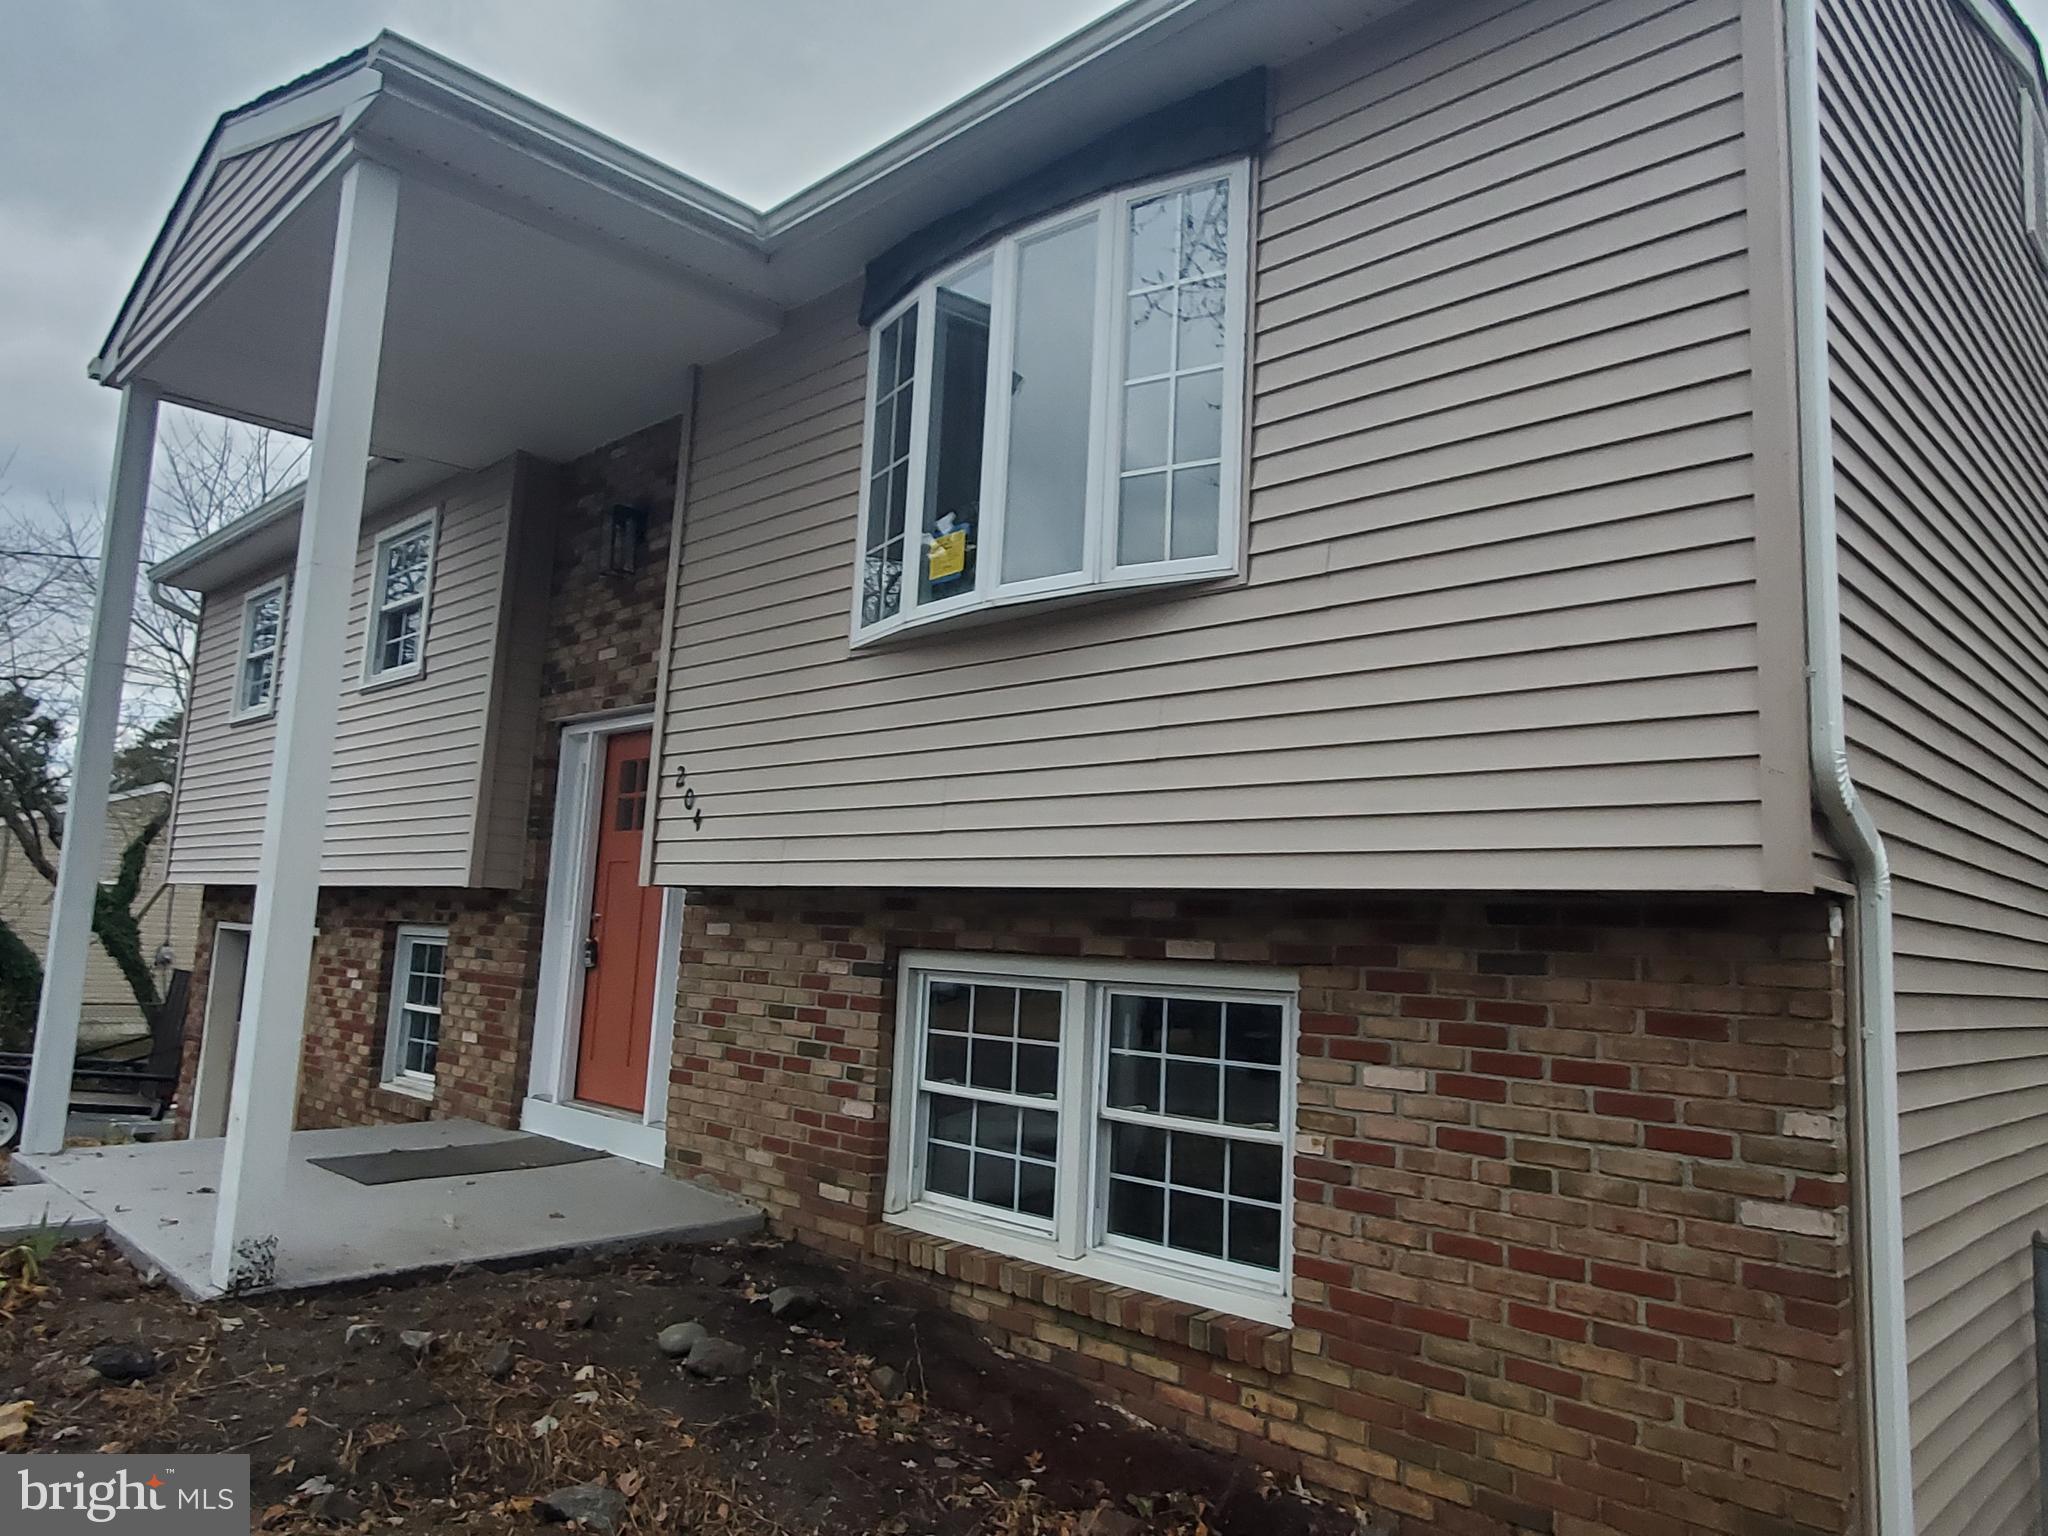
(262, 639)
(1169, 502)
(952, 499)
(399, 600)
(1059, 402)
(1045, 511)
(889, 470)
(985, 1048)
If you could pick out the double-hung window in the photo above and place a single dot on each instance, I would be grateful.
(1131, 1123)
(401, 579)
(262, 645)
(1061, 411)
(412, 1038)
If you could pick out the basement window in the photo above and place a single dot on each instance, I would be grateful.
(1062, 411)
(262, 645)
(412, 1041)
(401, 574)
(1128, 1123)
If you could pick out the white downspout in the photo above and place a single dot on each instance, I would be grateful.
(1881, 1246)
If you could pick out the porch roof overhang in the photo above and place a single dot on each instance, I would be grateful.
(550, 287)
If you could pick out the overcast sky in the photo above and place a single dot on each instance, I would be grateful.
(104, 105)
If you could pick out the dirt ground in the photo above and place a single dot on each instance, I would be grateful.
(365, 1435)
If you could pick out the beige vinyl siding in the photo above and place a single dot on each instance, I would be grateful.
(1939, 328)
(1501, 624)
(167, 915)
(242, 193)
(410, 757)
(515, 711)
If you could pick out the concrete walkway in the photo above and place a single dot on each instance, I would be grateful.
(158, 1201)
(29, 1209)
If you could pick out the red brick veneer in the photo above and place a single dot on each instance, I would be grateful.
(1570, 1231)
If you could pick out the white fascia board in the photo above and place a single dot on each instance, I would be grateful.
(1109, 34)
(219, 558)
(170, 571)
(438, 82)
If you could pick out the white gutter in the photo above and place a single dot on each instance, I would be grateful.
(1873, 998)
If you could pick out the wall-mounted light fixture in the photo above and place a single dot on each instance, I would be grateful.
(627, 539)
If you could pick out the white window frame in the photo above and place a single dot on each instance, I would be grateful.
(2034, 171)
(280, 589)
(1075, 1241)
(429, 523)
(1099, 571)
(396, 1075)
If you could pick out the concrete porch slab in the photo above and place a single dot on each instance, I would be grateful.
(26, 1209)
(158, 1203)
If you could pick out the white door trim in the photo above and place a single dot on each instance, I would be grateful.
(220, 1026)
(551, 1108)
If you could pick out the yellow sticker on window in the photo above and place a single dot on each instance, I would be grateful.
(947, 555)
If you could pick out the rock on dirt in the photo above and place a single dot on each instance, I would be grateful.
(580, 1313)
(678, 1339)
(888, 1382)
(602, 1509)
(710, 1269)
(497, 1361)
(123, 1362)
(419, 1342)
(716, 1359)
(792, 1303)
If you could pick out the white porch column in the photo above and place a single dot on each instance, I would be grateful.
(266, 1085)
(92, 766)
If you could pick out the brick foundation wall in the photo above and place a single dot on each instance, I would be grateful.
(1570, 1230)
(487, 1004)
(603, 640)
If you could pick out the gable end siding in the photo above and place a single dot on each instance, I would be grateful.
(239, 198)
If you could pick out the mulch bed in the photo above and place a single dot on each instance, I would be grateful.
(368, 1435)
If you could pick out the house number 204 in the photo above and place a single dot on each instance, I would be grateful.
(690, 806)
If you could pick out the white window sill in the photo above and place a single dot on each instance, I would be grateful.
(421, 1088)
(251, 716)
(1189, 1285)
(1007, 605)
(390, 679)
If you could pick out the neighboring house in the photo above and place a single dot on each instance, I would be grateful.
(167, 915)
(1180, 703)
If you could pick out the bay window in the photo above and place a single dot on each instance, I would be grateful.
(1061, 411)
(1131, 1123)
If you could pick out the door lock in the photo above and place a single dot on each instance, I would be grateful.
(589, 954)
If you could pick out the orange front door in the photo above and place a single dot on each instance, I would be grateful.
(625, 937)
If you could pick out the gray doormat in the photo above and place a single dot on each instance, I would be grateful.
(507, 1156)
